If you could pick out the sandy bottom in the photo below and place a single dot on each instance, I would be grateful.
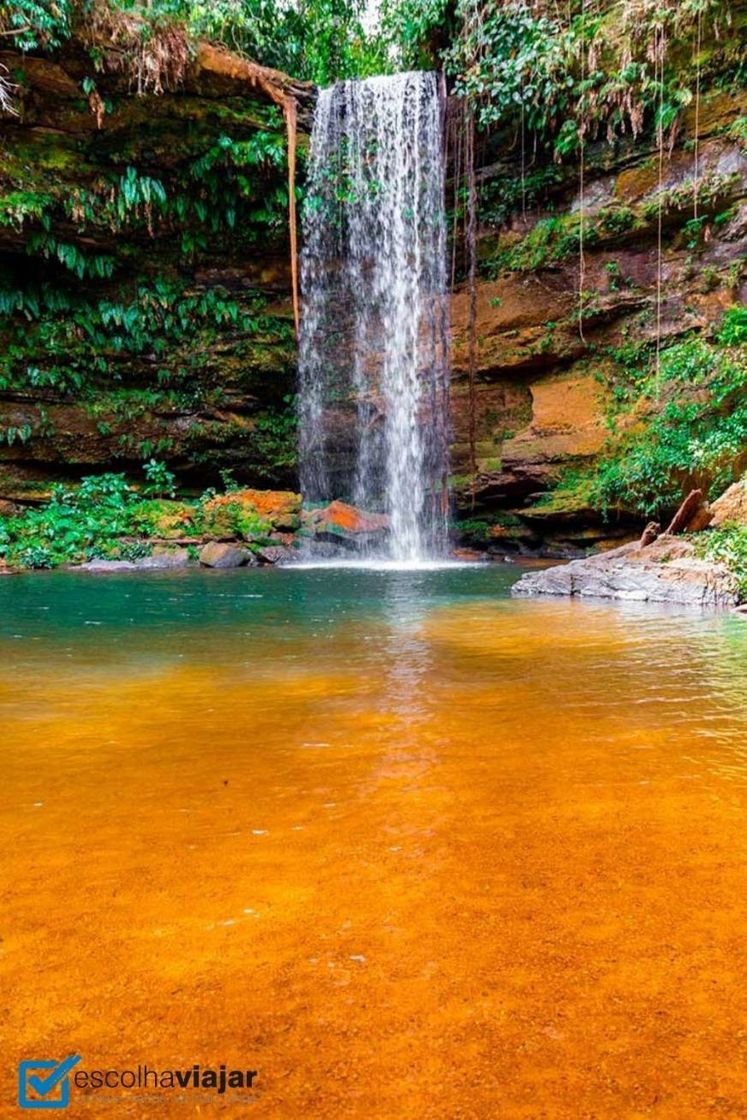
(470, 862)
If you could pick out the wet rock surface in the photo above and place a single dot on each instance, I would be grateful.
(161, 559)
(219, 554)
(346, 525)
(666, 571)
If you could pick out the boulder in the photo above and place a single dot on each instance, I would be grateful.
(731, 507)
(165, 558)
(218, 554)
(665, 571)
(275, 554)
(345, 524)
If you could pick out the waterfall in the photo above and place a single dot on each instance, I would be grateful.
(373, 397)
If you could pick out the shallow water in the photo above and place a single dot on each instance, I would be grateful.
(408, 848)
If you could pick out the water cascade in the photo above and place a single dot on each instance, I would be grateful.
(373, 405)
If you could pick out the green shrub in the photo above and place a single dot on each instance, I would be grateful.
(727, 546)
(691, 431)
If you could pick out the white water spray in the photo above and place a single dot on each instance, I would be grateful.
(374, 339)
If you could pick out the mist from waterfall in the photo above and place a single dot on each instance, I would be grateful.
(373, 401)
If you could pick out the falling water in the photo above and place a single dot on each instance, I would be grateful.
(374, 338)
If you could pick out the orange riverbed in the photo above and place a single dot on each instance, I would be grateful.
(407, 848)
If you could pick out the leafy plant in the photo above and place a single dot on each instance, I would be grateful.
(727, 545)
(161, 481)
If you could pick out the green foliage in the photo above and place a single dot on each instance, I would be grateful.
(160, 480)
(558, 73)
(473, 531)
(409, 27)
(34, 24)
(738, 131)
(275, 440)
(57, 340)
(45, 245)
(728, 546)
(691, 431)
(75, 526)
(231, 519)
(105, 516)
(733, 331)
(322, 40)
(511, 59)
(12, 433)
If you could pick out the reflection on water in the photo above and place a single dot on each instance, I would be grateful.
(409, 848)
(407, 653)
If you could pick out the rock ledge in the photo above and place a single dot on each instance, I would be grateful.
(666, 571)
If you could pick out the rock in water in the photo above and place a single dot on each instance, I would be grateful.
(666, 571)
(340, 523)
(275, 554)
(217, 554)
(161, 559)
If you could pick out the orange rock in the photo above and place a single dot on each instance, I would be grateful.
(339, 517)
(281, 509)
(731, 507)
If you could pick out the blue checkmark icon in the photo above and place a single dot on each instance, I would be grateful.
(42, 1086)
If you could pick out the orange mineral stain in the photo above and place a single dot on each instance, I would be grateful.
(467, 859)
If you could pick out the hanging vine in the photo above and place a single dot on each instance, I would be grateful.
(581, 186)
(472, 285)
(291, 123)
(696, 129)
(659, 54)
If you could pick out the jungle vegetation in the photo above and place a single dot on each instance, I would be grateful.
(554, 86)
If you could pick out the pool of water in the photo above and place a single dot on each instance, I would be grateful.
(407, 847)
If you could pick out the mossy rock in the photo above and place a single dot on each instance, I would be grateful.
(251, 514)
(165, 519)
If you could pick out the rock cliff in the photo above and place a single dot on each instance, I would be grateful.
(145, 306)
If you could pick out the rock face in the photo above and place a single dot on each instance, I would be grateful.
(667, 571)
(731, 507)
(215, 395)
(545, 380)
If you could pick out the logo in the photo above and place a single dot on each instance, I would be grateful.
(43, 1083)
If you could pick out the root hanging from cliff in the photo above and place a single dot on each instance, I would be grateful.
(291, 122)
(469, 159)
(659, 54)
(154, 57)
(696, 139)
(581, 188)
(456, 119)
(6, 93)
